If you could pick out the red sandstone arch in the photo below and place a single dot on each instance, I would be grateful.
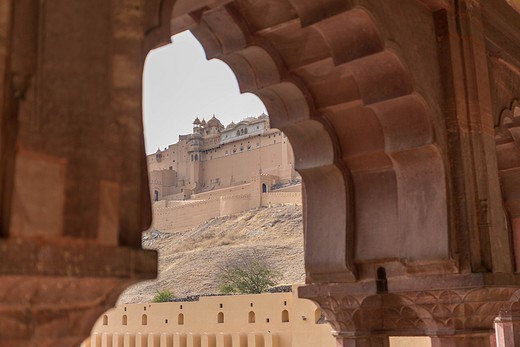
(362, 136)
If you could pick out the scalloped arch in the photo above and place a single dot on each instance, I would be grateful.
(361, 135)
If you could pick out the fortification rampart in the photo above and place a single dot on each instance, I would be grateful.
(281, 198)
(262, 320)
(176, 216)
(218, 193)
(185, 216)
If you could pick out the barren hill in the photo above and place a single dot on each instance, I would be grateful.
(188, 260)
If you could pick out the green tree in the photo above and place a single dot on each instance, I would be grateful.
(251, 275)
(164, 295)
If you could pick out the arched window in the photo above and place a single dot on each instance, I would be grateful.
(124, 320)
(180, 319)
(156, 198)
(196, 157)
(245, 131)
(238, 132)
(319, 317)
(144, 320)
(264, 188)
(251, 317)
(105, 320)
(285, 316)
(220, 317)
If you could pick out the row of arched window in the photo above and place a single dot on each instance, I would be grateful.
(180, 318)
(241, 131)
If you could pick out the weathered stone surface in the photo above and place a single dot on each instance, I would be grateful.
(394, 113)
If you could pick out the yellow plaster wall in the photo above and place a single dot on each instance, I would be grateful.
(185, 216)
(201, 328)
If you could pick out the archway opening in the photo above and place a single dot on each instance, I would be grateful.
(179, 181)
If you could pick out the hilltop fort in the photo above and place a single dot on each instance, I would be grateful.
(219, 170)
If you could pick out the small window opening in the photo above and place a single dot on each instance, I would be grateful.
(181, 307)
(285, 316)
(166, 321)
(124, 320)
(264, 190)
(285, 303)
(180, 319)
(105, 320)
(251, 304)
(221, 305)
(156, 198)
(144, 320)
(381, 282)
(220, 317)
(319, 317)
(267, 320)
(251, 317)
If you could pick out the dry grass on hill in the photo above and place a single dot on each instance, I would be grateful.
(188, 260)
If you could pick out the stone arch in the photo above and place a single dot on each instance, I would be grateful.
(345, 103)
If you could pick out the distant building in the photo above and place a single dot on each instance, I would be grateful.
(215, 157)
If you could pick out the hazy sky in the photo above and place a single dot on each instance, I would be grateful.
(179, 84)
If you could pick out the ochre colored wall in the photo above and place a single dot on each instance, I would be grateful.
(277, 198)
(183, 215)
(200, 322)
(186, 215)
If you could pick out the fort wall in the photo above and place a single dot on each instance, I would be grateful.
(260, 320)
(281, 198)
(178, 215)
(186, 215)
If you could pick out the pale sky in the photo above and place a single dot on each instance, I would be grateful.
(179, 84)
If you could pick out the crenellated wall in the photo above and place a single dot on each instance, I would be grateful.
(259, 320)
(182, 215)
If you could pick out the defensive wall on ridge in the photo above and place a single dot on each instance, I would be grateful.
(182, 215)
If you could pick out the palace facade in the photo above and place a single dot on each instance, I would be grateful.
(215, 157)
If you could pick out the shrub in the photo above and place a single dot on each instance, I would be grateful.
(251, 275)
(164, 295)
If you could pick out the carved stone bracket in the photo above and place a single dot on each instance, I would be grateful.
(432, 312)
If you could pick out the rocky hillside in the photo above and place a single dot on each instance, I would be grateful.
(188, 260)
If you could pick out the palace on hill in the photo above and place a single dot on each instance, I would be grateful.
(214, 157)
(217, 170)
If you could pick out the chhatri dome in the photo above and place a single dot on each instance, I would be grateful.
(196, 121)
(214, 122)
(203, 123)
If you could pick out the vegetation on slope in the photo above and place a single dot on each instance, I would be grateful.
(189, 260)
